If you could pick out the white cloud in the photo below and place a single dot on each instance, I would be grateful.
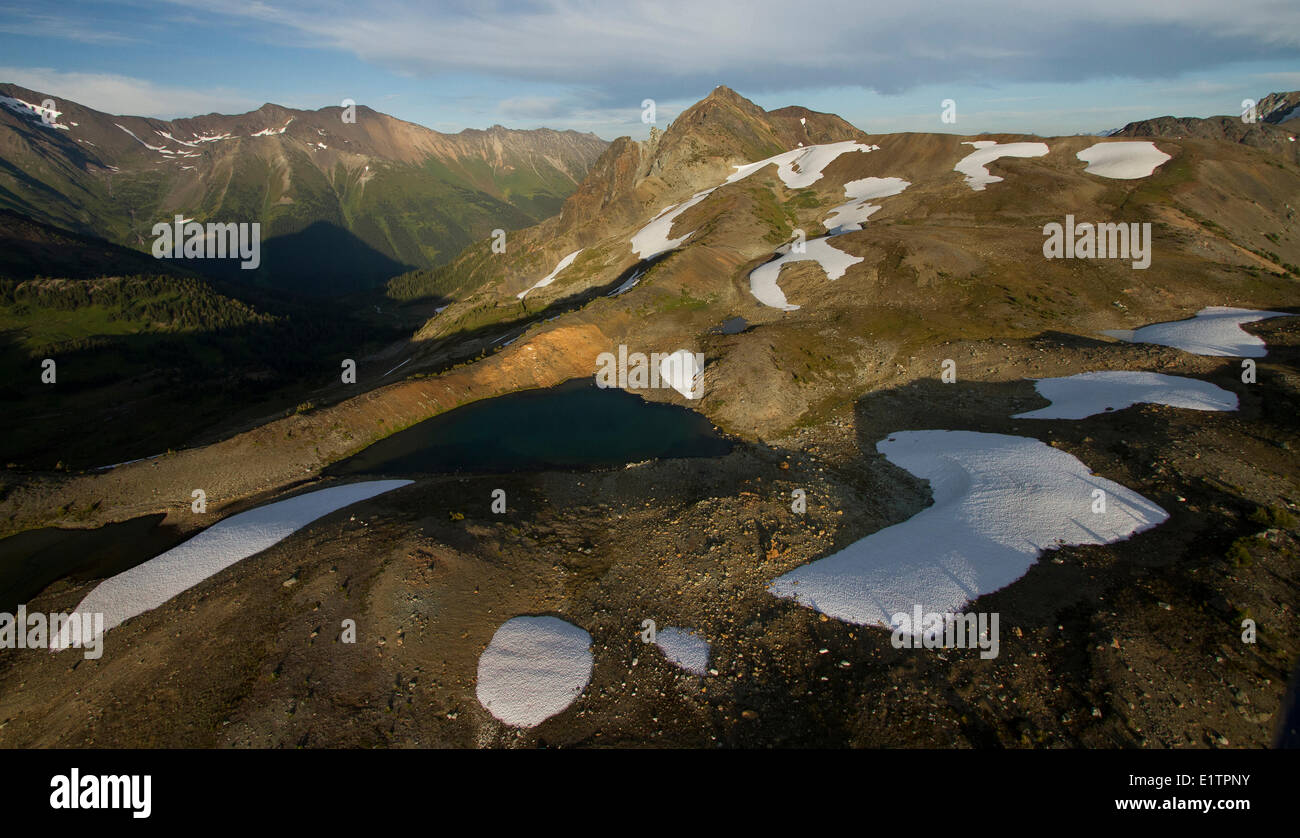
(33, 24)
(125, 95)
(532, 107)
(670, 46)
(580, 113)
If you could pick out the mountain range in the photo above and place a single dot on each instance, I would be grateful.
(846, 291)
(347, 198)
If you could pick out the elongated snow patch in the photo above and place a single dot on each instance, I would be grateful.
(147, 586)
(986, 151)
(850, 216)
(684, 648)
(797, 168)
(999, 502)
(1089, 393)
(763, 279)
(845, 218)
(1215, 330)
(534, 668)
(803, 166)
(550, 277)
(652, 239)
(1122, 160)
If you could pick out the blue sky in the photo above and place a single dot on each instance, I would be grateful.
(1011, 65)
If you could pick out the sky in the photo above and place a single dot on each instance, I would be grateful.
(1012, 66)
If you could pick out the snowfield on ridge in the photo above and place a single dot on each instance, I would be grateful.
(797, 168)
(974, 165)
(1122, 160)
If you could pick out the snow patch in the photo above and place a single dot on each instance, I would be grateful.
(999, 502)
(682, 372)
(850, 216)
(534, 668)
(802, 167)
(652, 239)
(629, 283)
(45, 116)
(147, 586)
(1215, 330)
(973, 165)
(684, 648)
(1122, 160)
(550, 277)
(797, 168)
(1089, 393)
(173, 139)
(142, 142)
(398, 367)
(763, 279)
(266, 132)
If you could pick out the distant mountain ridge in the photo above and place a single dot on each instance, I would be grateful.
(669, 237)
(1278, 108)
(406, 196)
(632, 180)
(1273, 129)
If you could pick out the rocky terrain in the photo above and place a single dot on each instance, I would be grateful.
(1134, 643)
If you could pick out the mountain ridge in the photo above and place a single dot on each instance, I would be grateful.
(115, 176)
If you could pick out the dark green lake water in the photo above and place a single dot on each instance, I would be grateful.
(32, 561)
(576, 425)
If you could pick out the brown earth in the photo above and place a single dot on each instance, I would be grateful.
(948, 273)
(1131, 644)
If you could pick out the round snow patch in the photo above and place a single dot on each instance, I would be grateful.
(534, 668)
(1122, 161)
(684, 648)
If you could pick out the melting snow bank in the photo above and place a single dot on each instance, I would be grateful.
(999, 502)
(149, 585)
(845, 218)
(142, 142)
(534, 668)
(800, 167)
(652, 239)
(763, 279)
(46, 116)
(684, 648)
(629, 283)
(797, 168)
(1122, 160)
(850, 216)
(550, 277)
(986, 151)
(1215, 330)
(1085, 394)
